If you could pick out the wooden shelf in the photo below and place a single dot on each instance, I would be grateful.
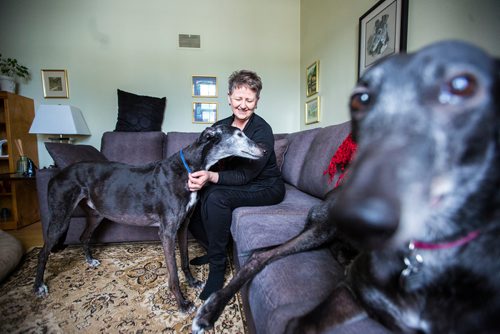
(16, 115)
(8, 225)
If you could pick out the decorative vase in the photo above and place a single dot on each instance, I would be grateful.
(7, 84)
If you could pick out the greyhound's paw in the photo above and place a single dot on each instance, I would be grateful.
(94, 263)
(187, 307)
(41, 291)
(197, 284)
(204, 318)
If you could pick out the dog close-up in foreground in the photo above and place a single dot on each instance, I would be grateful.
(420, 202)
(160, 198)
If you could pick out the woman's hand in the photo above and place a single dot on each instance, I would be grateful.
(197, 180)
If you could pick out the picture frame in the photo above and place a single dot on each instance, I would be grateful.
(204, 86)
(55, 84)
(382, 32)
(205, 112)
(312, 79)
(312, 110)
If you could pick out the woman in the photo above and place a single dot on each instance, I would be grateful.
(241, 182)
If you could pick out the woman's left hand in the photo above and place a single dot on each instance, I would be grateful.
(197, 180)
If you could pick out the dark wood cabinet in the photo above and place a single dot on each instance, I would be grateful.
(18, 197)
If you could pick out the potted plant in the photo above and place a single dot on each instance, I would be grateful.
(9, 70)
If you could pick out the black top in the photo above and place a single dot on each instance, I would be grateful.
(262, 172)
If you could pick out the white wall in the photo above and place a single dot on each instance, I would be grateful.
(329, 33)
(110, 44)
(132, 45)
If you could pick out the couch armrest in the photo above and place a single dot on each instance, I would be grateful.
(134, 148)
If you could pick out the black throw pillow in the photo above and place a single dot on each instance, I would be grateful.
(138, 113)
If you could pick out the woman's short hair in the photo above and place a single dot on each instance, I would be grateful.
(246, 78)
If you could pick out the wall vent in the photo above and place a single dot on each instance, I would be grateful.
(189, 41)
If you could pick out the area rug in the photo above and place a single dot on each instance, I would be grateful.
(127, 293)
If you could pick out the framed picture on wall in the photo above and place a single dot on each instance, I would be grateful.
(382, 32)
(205, 112)
(55, 84)
(312, 79)
(312, 111)
(204, 86)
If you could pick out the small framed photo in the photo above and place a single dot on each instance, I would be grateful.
(312, 110)
(205, 112)
(382, 32)
(204, 86)
(312, 79)
(55, 84)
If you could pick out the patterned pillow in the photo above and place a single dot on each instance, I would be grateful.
(67, 154)
(138, 113)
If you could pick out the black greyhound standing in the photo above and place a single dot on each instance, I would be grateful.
(421, 202)
(154, 194)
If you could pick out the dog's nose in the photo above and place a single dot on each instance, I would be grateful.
(262, 148)
(368, 222)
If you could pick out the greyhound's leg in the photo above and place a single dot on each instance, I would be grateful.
(62, 200)
(167, 235)
(56, 230)
(340, 306)
(183, 249)
(40, 288)
(93, 221)
(317, 232)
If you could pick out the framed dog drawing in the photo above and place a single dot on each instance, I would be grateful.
(382, 32)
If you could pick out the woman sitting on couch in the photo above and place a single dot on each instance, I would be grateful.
(241, 182)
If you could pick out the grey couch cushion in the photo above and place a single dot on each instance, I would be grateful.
(280, 292)
(67, 154)
(134, 148)
(299, 143)
(317, 159)
(280, 148)
(178, 140)
(270, 225)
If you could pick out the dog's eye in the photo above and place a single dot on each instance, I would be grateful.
(462, 85)
(359, 101)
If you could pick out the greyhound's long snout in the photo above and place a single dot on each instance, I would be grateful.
(369, 222)
(368, 207)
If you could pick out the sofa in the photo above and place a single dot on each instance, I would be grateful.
(287, 288)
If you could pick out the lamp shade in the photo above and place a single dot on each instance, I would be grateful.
(60, 120)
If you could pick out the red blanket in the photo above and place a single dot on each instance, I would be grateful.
(341, 160)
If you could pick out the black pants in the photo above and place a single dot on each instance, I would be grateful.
(211, 221)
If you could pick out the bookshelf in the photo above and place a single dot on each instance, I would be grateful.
(18, 196)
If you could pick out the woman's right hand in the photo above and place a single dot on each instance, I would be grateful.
(198, 179)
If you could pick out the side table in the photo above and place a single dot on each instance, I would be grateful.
(18, 201)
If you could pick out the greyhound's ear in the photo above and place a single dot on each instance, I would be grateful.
(209, 134)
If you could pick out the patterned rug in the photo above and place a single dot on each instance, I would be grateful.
(127, 293)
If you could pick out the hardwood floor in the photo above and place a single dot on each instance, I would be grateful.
(30, 236)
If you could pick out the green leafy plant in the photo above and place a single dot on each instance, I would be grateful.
(11, 68)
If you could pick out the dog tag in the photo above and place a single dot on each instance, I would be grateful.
(408, 278)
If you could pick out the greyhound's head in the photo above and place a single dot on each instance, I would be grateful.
(223, 141)
(427, 166)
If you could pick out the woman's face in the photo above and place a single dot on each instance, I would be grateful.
(243, 102)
